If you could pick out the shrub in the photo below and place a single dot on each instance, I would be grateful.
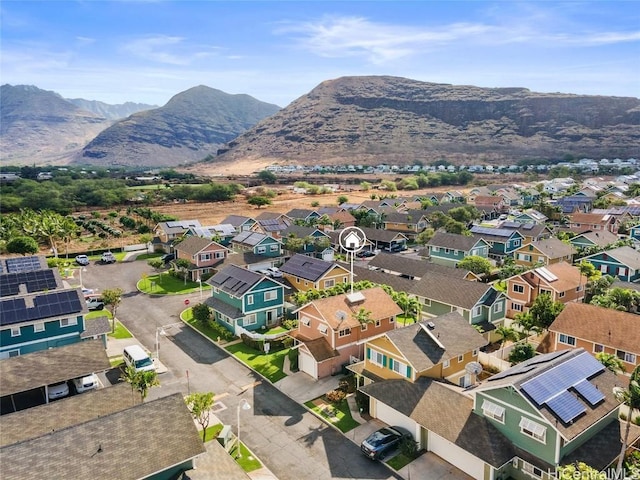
(637, 420)
(347, 384)
(622, 417)
(219, 331)
(293, 359)
(521, 352)
(201, 313)
(335, 396)
(408, 447)
(315, 203)
(290, 323)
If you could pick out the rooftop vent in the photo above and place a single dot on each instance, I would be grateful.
(355, 298)
(431, 325)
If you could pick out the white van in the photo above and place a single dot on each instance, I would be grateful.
(84, 384)
(135, 356)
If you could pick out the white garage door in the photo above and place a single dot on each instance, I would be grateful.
(457, 456)
(392, 417)
(307, 364)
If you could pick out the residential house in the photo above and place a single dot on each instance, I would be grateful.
(507, 427)
(634, 232)
(598, 240)
(272, 224)
(332, 330)
(621, 262)
(597, 329)
(562, 281)
(377, 238)
(449, 249)
(303, 214)
(574, 204)
(440, 347)
(545, 252)
(531, 216)
(410, 223)
(530, 231)
(165, 233)
(257, 243)
(340, 219)
(306, 273)
(222, 233)
(529, 197)
(479, 303)
(494, 202)
(204, 256)
(240, 222)
(314, 239)
(245, 300)
(502, 241)
(594, 222)
(405, 267)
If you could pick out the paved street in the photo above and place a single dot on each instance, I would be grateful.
(292, 443)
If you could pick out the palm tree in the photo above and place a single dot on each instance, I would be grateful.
(363, 316)
(141, 381)
(51, 228)
(68, 229)
(631, 399)
(611, 362)
(414, 308)
(506, 334)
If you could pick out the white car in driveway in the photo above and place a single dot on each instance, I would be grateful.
(57, 390)
(84, 384)
(82, 260)
(275, 272)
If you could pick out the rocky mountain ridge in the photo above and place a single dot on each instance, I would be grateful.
(109, 111)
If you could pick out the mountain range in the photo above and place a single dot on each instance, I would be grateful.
(365, 120)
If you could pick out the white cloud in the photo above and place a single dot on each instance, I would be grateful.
(168, 49)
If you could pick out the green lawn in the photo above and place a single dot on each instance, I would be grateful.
(121, 332)
(148, 256)
(405, 320)
(247, 461)
(212, 432)
(165, 284)
(338, 415)
(268, 364)
(399, 461)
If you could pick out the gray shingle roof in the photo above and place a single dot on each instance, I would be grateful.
(235, 281)
(34, 370)
(453, 241)
(224, 308)
(399, 284)
(625, 255)
(554, 248)
(236, 220)
(193, 245)
(450, 290)
(417, 342)
(96, 326)
(385, 236)
(400, 264)
(160, 432)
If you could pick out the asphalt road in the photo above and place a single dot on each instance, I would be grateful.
(288, 439)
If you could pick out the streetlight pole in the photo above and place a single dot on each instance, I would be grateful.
(159, 331)
(243, 405)
(200, 282)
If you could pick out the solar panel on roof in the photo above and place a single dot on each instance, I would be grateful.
(589, 392)
(496, 232)
(23, 264)
(561, 377)
(566, 406)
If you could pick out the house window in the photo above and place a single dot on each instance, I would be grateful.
(15, 331)
(561, 294)
(399, 368)
(392, 319)
(14, 353)
(427, 302)
(622, 271)
(524, 257)
(329, 283)
(219, 255)
(516, 306)
(344, 333)
(474, 352)
(477, 311)
(363, 327)
(446, 364)
(518, 288)
(446, 250)
(38, 327)
(435, 249)
(250, 319)
(273, 248)
(261, 250)
(322, 328)
(460, 358)
(65, 322)
(531, 470)
(270, 295)
(626, 356)
(533, 429)
(493, 410)
(305, 320)
(497, 307)
(597, 348)
(249, 299)
(377, 323)
(567, 340)
(205, 257)
(377, 358)
(579, 288)
(545, 292)
(516, 243)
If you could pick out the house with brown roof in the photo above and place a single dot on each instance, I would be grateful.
(342, 218)
(332, 330)
(440, 347)
(409, 223)
(597, 329)
(582, 222)
(562, 281)
(202, 254)
(494, 202)
(544, 252)
(165, 233)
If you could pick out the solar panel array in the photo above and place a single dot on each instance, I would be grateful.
(496, 232)
(552, 386)
(235, 280)
(306, 267)
(23, 264)
(37, 281)
(249, 238)
(55, 304)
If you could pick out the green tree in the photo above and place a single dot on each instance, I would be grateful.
(267, 176)
(140, 381)
(424, 236)
(544, 311)
(259, 201)
(580, 470)
(342, 199)
(611, 362)
(598, 287)
(200, 405)
(623, 299)
(476, 264)
(201, 313)
(521, 352)
(365, 186)
(363, 316)
(453, 226)
(588, 270)
(629, 397)
(112, 298)
(506, 334)
(389, 185)
(526, 322)
(23, 245)
(156, 263)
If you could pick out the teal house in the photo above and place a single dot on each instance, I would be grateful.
(478, 303)
(245, 300)
(36, 312)
(315, 240)
(256, 243)
(449, 249)
(502, 241)
(634, 232)
(621, 262)
(597, 240)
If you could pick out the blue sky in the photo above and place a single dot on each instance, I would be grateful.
(147, 51)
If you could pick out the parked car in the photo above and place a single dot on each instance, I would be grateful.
(396, 247)
(88, 291)
(365, 254)
(134, 356)
(94, 303)
(168, 257)
(84, 384)
(381, 442)
(108, 257)
(82, 260)
(57, 390)
(265, 272)
(275, 272)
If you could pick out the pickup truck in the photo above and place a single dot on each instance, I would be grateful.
(94, 303)
(108, 257)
